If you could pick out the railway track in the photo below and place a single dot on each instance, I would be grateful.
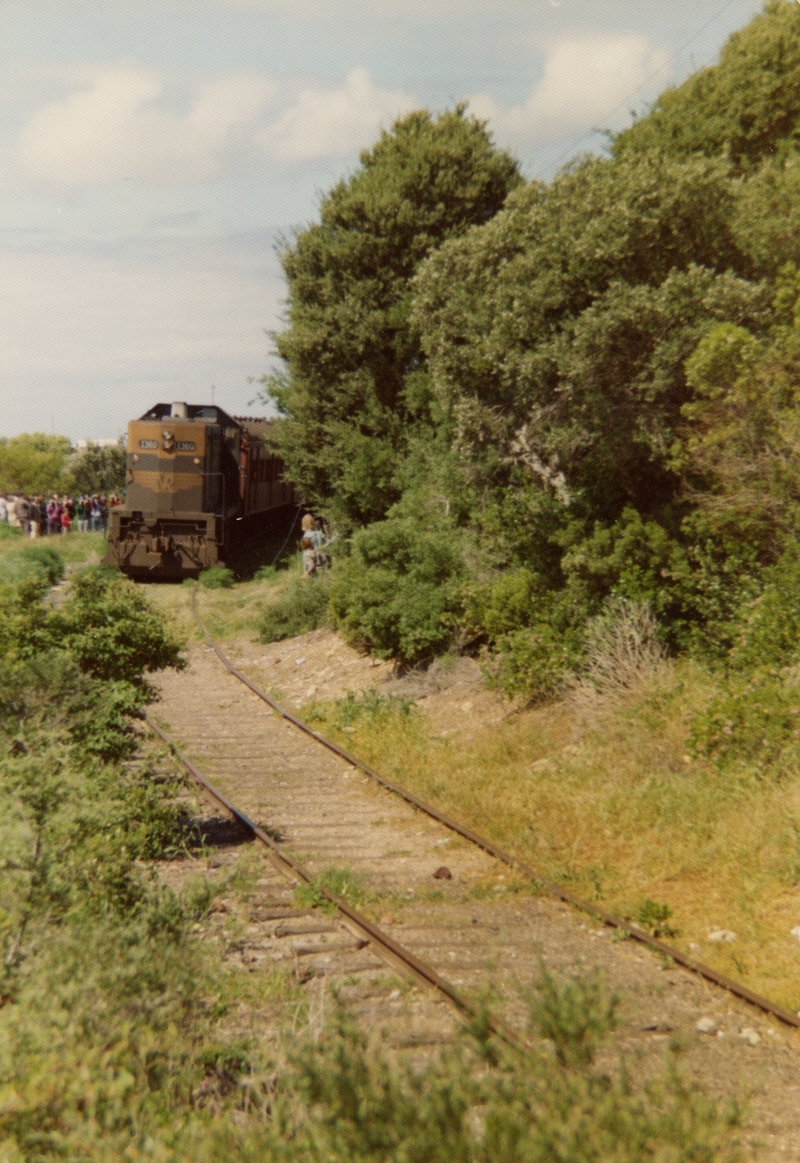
(489, 925)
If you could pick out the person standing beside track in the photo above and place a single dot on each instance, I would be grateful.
(311, 543)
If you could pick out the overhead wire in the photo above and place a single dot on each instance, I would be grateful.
(575, 148)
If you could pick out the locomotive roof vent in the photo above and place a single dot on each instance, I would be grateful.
(179, 411)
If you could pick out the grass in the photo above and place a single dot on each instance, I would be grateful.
(228, 612)
(602, 797)
(74, 550)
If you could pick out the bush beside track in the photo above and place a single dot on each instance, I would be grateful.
(105, 1034)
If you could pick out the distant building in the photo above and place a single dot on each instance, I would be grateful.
(80, 445)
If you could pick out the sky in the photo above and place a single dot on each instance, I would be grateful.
(154, 152)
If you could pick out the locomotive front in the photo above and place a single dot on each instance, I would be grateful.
(182, 495)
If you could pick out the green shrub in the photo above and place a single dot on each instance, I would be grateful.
(752, 724)
(112, 631)
(300, 607)
(217, 578)
(654, 917)
(397, 592)
(767, 631)
(534, 663)
(28, 561)
(46, 558)
(575, 1015)
(371, 706)
(509, 603)
(479, 1102)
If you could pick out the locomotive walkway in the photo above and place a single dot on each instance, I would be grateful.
(482, 929)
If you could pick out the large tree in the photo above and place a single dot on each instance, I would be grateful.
(32, 462)
(556, 334)
(97, 468)
(352, 388)
(745, 109)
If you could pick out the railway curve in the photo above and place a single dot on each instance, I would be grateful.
(487, 926)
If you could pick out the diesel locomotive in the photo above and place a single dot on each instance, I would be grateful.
(199, 482)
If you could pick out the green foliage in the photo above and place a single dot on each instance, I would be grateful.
(339, 881)
(767, 631)
(746, 108)
(767, 221)
(546, 398)
(29, 561)
(96, 469)
(351, 389)
(575, 1015)
(557, 332)
(112, 631)
(753, 724)
(396, 591)
(737, 448)
(632, 558)
(32, 463)
(755, 720)
(501, 606)
(536, 662)
(369, 706)
(302, 605)
(654, 917)
(341, 1101)
(217, 578)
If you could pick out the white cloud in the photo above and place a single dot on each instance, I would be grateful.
(334, 122)
(586, 82)
(90, 339)
(127, 121)
(119, 124)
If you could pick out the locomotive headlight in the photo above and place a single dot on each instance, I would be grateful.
(135, 457)
(197, 460)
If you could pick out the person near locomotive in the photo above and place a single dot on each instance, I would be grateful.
(311, 547)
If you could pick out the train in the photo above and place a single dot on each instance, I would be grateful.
(199, 483)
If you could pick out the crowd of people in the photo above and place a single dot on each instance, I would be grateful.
(40, 515)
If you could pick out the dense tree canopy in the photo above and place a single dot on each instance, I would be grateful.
(542, 397)
(97, 468)
(557, 333)
(32, 463)
(350, 356)
(746, 108)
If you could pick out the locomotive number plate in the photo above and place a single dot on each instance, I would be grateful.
(185, 446)
(148, 444)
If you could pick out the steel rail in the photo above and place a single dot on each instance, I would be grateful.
(396, 954)
(702, 970)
